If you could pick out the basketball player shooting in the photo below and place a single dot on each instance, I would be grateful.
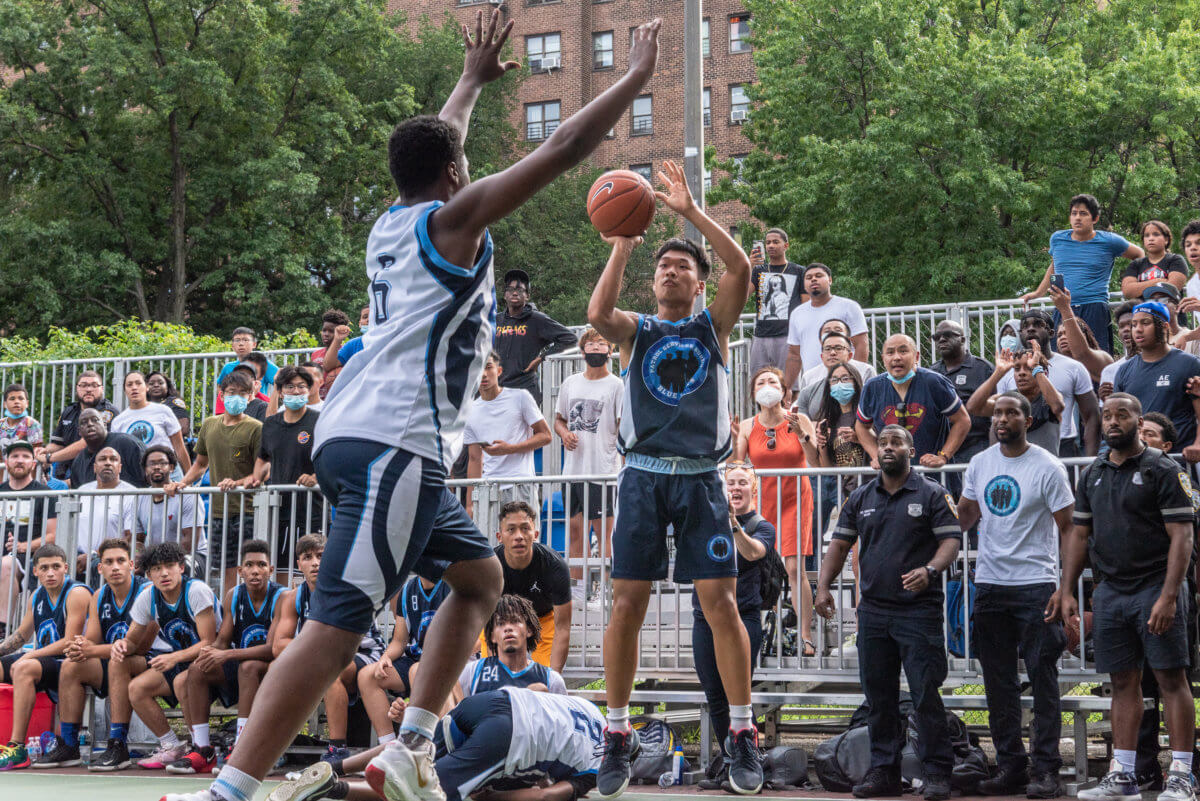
(387, 434)
(673, 432)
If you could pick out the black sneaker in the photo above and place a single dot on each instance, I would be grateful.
(716, 775)
(1005, 782)
(115, 757)
(745, 762)
(937, 788)
(1150, 782)
(879, 781)
(1044, 785)
(619, 750)
(62, 756)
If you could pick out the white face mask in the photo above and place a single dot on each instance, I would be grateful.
(768, 396)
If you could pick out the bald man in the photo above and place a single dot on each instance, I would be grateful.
(921, 401)
(103, 517)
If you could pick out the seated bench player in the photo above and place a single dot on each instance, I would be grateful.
(512, 634)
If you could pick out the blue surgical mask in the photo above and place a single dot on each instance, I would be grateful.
(236, 404)
(12, 416)
(1009, 342)
(842, 393)
(362, 329)
(295, 402)
(906, 377)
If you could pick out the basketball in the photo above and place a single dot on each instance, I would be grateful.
(1072, 631)
(621, 203)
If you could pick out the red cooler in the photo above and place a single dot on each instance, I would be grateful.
(41, 720)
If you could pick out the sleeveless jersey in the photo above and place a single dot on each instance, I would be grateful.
(303, 597)
(250, 625)
(431, 325)
(676, 401)
(50, 619)
(114, 620)
(555, 736)
(492, 674)
(176, 624)
(418, 608)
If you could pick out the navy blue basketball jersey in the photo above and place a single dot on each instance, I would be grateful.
(114, 620)
(250, 625)
(50, 619)
(418, 607)
(303, 597)
(676, 391)
(176, 623)
(490, 673)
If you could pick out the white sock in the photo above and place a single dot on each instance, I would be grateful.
(384, 739)
(169, 740)
(1183, 756)
(235, 785)
(241, 724)
(618, 718)
(200, 736)
(740, 717)
(1125, 758)
(421, 721)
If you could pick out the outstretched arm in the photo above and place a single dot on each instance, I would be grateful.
(482, 66)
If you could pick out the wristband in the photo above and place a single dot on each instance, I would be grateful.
(1038, 371)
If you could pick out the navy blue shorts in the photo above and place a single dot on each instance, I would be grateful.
(472, 743)
(1120, 635)
(394, 517)
(693, 505)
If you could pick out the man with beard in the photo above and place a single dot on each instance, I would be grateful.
(95, 437)
(907, 533)
(1021, 498)
(1139, 555)
(103, 517)
(1072, 381)
(89, 394)
(1158, 375)
(21, 522)
(966, 373)
(161, 517)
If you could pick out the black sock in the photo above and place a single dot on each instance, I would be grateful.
(338, 743)
(340, 789)
(338, 768)
(205, 751)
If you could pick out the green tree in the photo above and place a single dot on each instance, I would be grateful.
(217, 163)
(934, 145)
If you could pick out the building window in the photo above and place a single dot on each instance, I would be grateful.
(739, 163)
(643, 116)
(644, 170)
(602, 50)
(739, 104)
(707, 179)
(705, 48)
(707, 104)
(541, 119)
(471, 2)
(540, 2)
(543, 52)
(739, 33)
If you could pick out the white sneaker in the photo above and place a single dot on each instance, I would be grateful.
(312, 782)
(199, 795)
(1117, 785)
(1178, 786)
(400, 773)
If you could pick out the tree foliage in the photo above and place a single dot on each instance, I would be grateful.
(935, 143)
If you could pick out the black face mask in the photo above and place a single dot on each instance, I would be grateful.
(596, 359)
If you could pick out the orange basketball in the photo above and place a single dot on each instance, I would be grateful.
(621, 203)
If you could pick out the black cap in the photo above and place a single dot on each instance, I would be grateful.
(1161, 288)
(516, 275)
(1041, 314)
(16, 444)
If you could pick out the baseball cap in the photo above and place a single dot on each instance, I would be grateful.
(17, 444)
(516, 275)
(1161, 288)
(1155, 309)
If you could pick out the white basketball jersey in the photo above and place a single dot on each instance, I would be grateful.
(431, 327)
(554, 732)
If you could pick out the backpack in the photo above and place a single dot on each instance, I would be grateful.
(785, 768)
(956, 630)
(773, 577)
(658, 743)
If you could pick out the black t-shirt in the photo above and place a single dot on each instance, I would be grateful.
(1127, 507)
(749, 578)
(257, 409)
(83, 469)
(546, 582)
(177, 406)
(1144, 270)
(966, 378)
(288, 447)
(24, 517)
(777, 290)
(897, 533)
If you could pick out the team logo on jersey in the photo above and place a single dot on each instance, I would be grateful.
(47, 632)
(675, 367)
(1002, 495)
(180, 633)
(254, 634)
(303, 437)
(142, 431)
(720, 548)
(116, 631)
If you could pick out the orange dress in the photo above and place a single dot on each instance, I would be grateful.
(778, 505)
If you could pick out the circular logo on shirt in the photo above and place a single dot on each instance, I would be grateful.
(303, 437)
(116, 631)
(254, 634)
(1002, 495)
(674, 367)
(179, 633)
(142, 431)
(720, 548)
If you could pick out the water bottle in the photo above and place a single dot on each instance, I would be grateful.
(33, 747)
(677, 766)
(667, 779)
(85, 748)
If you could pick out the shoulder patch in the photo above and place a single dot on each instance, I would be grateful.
(178, 402)
(1185, 482)
(950, 503)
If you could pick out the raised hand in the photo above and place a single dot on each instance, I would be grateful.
(482, 61)
(643, 49)
(678, 197)
(1005, 360)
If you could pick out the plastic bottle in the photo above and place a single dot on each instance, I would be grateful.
(85, 748)
(677, 766)
(33, 747)
(667, 779)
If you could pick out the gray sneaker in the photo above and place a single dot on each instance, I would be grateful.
(1117, 785)
(1178, 786)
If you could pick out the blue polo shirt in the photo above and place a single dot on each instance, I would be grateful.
(1161, 386)
(1086, 267)
(895, 534)
(349, 348)
(925, 410)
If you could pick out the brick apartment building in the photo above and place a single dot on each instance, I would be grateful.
(575, 49)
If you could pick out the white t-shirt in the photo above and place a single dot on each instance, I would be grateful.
(1018, 539)
(804, 325)
(1070, 378)
(200, 597)
(153, 424)
(510, 416)
(819, 373)
(104, 516)
(592, 409)
(1192, 287)
(1109, 374)
(165, 521)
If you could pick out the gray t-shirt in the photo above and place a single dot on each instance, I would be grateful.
(1017, 497)
(1070, 378)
